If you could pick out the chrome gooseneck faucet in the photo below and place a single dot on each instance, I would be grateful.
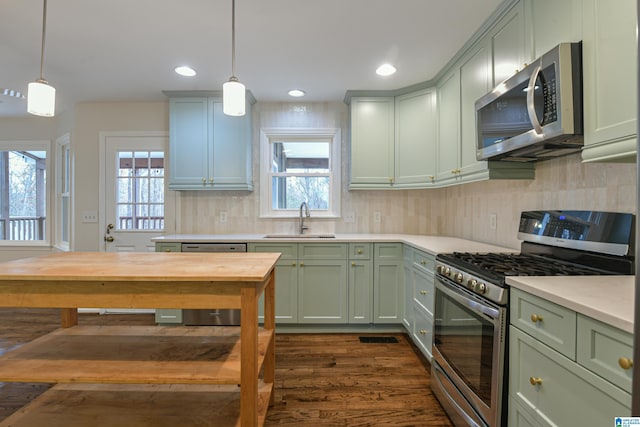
(306, 213)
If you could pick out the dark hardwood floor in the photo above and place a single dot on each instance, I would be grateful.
(321, 379)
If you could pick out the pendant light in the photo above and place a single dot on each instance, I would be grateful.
(41, 97)
(233, 98)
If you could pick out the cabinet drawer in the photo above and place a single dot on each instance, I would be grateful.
(388, 251)
(288, 250)
(423, 289)
(550, 323)
(422, 330)
(168, 315)
(424, 261)
(322, 251)
(169, 247)
(567, 393)
(603, 349)
(359, 250)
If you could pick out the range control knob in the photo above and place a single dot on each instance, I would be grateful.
(458, 277)
(439, 269)
(447, 271)
(471, 283)
(481, 288)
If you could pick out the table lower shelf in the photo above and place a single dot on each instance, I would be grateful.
(133, 355)
(140, 405)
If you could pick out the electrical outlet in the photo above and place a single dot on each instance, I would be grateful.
(493, 221)
(223, 217)
(90, 216)
(376, 217)
(350, 217)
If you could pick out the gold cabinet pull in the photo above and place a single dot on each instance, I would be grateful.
(423, 332)
(210, 180)
(535, 381)
(293, 264)
(359, 251)
(535, 318)
(204, 180)
(353, 264)
(302, 264)
(423, 262)
(625, 363)
(432, 177)
(424, 292)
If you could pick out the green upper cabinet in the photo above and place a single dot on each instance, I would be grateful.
(509, 44)
(449, 127)
(553, 22)
(610, 80)
(207, 149)
(415, 141)
(372, 142)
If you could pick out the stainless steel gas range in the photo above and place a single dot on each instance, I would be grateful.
(471, 311)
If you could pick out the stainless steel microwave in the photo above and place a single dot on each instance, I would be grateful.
(536, 113)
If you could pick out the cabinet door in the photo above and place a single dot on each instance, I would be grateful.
(415, 141)
(422, 333)
(189, 143)
(408, 317)
(586, 399)
(388, 284)
(475, 81)
(510, 44)
(449, 128)
(610, 81)
(372, 145)
(231, 149)
(553, 22)
(286, 293)
(322, 291)
(360, 291)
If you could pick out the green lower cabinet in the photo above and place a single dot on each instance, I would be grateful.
(286, 293)
(322, 291)
(168, 316)
(388, 283)
(408, 319)
(360, 283)
(554, 390)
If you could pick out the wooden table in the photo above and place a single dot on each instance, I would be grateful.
(133, 355)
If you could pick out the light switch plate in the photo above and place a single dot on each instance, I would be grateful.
(376, 217)
(89, 216)
(350, 217)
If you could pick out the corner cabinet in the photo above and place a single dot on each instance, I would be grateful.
(609, 72)
(208, 150)
(558, 355)
(419, 298)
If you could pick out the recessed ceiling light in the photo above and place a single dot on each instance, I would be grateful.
(385, 70)
(185, 71)
(296, 92)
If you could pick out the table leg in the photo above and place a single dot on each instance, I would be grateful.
(249, 357)
(270, 323)
(69, 317)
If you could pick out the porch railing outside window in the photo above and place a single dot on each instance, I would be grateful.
(22, 228)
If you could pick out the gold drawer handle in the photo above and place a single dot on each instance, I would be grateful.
(302, 264)
(204, 180)
(359, 251)
(423, 332)
(625, 363)
(293, 264)
(535, 381)
(353, 264)
(423, 262)
(535, 318)
(424, 292)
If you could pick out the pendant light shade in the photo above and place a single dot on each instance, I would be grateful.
(41, 97)
(233, 96)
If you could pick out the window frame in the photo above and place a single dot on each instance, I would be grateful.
(34, 145)
(63, 146)
(269, 135)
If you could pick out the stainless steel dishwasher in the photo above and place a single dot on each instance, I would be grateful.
(212, 317)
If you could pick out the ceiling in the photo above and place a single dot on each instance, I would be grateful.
(124, 50)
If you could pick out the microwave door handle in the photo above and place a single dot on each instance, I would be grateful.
(531, 108)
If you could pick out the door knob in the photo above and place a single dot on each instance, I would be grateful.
(108, 238)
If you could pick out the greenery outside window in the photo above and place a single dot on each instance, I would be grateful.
(300, 165)
(24, 192)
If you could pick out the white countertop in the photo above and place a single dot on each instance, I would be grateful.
(430, 244)
(609, 299)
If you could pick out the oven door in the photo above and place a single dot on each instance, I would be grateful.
(469, 347)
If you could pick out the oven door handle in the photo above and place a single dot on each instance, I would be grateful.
(472, 304)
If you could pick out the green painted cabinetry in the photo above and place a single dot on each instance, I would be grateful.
(557, 355)
(208, 150)
(610, 80)
(551, 22)
(510, 44)
(168, 315)
(360, 283)
(388, 284)
(419, 294)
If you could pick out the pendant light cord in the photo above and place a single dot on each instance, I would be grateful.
(233, 38)
(44, 30)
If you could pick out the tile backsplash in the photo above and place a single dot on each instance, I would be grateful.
(462, 211)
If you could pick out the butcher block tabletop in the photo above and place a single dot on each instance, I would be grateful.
(142, 266)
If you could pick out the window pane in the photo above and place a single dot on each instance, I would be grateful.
(289, 192)
(22, 206)
(124, 190)
(294, 157)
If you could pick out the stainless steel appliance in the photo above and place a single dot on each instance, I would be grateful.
(212, 317)
(536, 113)
(472, 302)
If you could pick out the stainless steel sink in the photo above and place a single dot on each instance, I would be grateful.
(300, 236)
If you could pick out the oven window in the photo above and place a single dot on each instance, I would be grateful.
(465, 340)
